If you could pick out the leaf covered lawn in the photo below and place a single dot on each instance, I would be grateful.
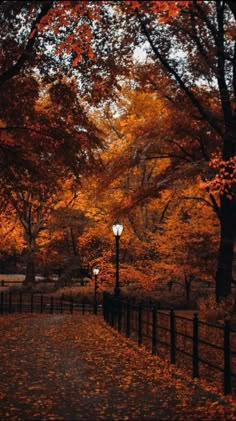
(62, 367)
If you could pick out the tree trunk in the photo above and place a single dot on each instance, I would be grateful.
(30, 270)
(226, 249)
(74, 247)
(188, 286)
(224, 273)
(187, 283)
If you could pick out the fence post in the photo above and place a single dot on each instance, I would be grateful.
(120, 309)
(61, 304)
(195, 346)
(128, 319)
(95, 307)
(140, 339)
(149, 306)
(227, 362)
(109, 321)
(172, 337)
(112, 314)
(20, 301)
(154, 330)
(83, 308)
(51, 305)
(41, 303)
(2, 302)
(31, 303)
(9, 302)
(107, 307)
(71, 305)
(104, 306)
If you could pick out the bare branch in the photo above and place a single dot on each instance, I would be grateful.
(196, 103)
(15, 68)
(167, 156)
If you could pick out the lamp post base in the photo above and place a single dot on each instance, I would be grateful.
(95, 307)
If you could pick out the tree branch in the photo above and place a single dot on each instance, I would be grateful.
(198, 199)
(167, 156)
(206, 115)
(164, 212)
(224, 94)
(232, 6)
(204, 17)
(15, 68)
(28, 129)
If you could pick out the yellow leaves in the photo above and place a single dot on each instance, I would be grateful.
(11, 232)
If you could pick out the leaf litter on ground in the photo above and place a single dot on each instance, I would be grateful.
(63, 367)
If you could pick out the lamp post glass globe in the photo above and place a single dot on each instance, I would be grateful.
(117, 229)
(95, 271)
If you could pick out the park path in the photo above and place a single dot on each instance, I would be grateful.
(64, 367)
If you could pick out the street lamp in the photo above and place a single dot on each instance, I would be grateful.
(117, 230)
(95, 272)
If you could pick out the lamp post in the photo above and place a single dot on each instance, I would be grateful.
(95, 272)
(117, 230)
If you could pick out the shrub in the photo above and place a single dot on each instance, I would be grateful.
(82, 294)
(165, 298)
(43, 287)
(213, 311)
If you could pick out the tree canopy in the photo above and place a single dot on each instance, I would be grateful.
(135, 98)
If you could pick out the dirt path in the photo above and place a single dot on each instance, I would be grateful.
(62, 367)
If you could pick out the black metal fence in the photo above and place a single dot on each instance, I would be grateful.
(19, 302)
(204, 349)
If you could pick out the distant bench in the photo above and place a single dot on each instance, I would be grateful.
(4, 283)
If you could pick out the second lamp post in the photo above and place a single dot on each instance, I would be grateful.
(117, 230)
(95, 272)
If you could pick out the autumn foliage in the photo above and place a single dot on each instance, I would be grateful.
(123, 111)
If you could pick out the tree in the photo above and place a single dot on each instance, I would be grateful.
(12, 242)
(189, 46)
(46, 137)
(33, 184)
(152, 185)
(203, 32)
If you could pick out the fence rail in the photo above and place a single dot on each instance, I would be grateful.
(199, 346)
(36, 303)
